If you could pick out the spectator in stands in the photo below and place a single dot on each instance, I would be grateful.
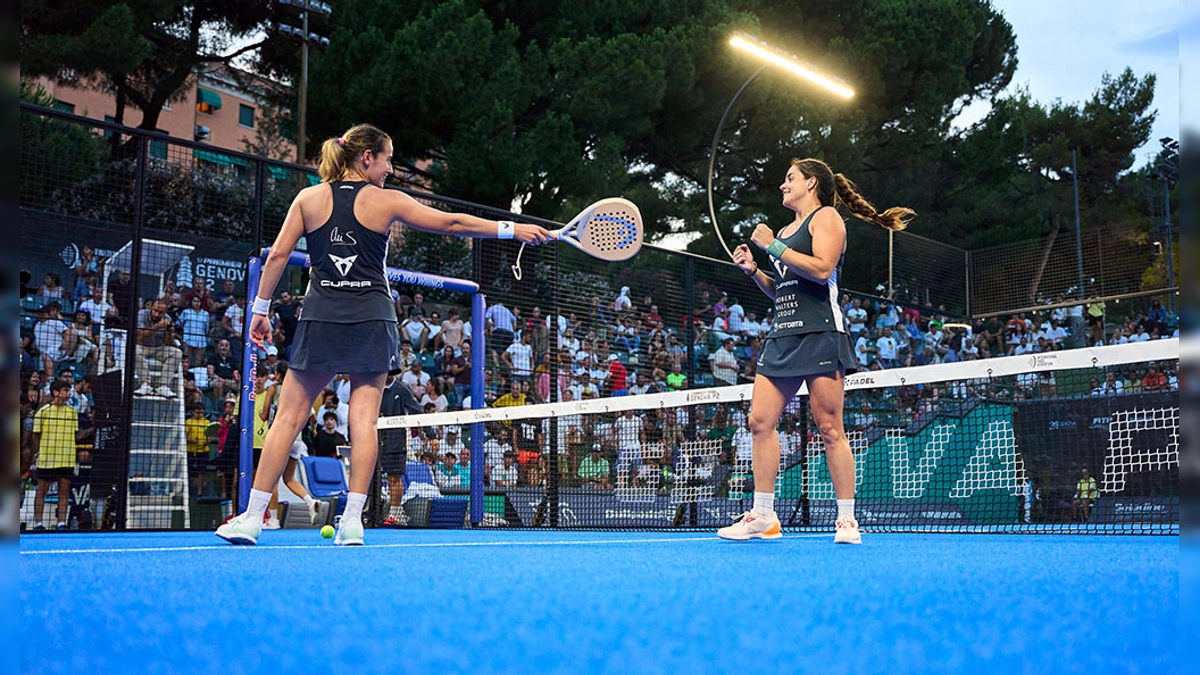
(616, 379)
(622, 303)
(49, 335)
(234, 315)
(97, 309)
(415, 330)
(887, 348)
(1086, 492)
(1154, 380)
(328, 438)
(86, 263)
(287, 315)
(194, 323)
(156, 340)
(594, 470)
(78, 344)
(864, 348)
(51, 287)
(505, 474)
(501, 324)
(121, 293)
(448, 475)
(629, 436)
(725, 366)
(519, 357)
(54, 435)
(196, 432)
(416, 379)
(453, 331)
(333, 404)
(222, 370)
(1157, 317)
(200, 289)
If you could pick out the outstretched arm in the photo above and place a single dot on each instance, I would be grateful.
(427, 219)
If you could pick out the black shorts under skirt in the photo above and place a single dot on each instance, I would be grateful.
(365, 347)
(807, 354)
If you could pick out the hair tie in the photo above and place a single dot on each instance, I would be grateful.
(341, 141)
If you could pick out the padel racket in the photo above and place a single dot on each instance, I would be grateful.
(610, 229)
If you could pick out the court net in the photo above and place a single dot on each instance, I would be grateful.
(1083, 440)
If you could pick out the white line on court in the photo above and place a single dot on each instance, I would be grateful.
(460, 544)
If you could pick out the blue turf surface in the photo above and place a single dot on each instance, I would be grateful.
(581, 602)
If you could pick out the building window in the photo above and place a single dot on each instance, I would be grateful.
(207, 101)
(246, 116)
(158, 149)
(63, 106)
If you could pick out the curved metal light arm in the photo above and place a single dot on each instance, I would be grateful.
(712, 158)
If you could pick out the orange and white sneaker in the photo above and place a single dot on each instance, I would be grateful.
(753, 525)
(847, 531)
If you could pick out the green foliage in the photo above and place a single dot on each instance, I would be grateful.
(54, 153)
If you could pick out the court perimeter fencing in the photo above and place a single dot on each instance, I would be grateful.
(140, 215)
(1076, 441)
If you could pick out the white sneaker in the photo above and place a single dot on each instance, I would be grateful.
(350, 532)
(847, 531)
(165, 392)
(241, 530)
(144, 390)
(270, 523)
(753, 525)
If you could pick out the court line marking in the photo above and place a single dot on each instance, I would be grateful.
(461, 544)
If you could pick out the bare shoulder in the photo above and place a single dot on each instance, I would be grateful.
(828, 220)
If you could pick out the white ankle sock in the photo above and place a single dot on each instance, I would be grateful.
(258, 503)
(764, 502)
(845, 508)
(309, 501)
(355, 502)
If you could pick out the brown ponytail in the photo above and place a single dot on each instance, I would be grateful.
(833, 189)
(338, 154)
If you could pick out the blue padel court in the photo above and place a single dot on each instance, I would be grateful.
(598, 602)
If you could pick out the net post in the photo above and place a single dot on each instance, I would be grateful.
(249, 378)
(478, 358)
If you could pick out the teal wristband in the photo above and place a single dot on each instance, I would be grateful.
(776, 249)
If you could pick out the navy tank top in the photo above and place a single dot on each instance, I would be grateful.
(801, 304)
(347, 282)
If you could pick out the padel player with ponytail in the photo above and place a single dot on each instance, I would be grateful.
(808, 341)
(348, 322)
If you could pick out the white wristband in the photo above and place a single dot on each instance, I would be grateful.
(506, 229)
(261, 306)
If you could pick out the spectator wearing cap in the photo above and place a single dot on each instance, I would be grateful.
(724, 363)
(271, 358)
(595, 471)
(616, 376)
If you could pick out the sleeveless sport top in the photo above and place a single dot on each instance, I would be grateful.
(801, 304)
(347, 283)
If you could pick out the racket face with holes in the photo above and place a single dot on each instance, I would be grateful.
(610, 229)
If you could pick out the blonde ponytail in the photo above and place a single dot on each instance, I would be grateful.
(338, 154)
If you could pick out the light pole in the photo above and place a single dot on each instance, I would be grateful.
(777, 58)
(301, 33)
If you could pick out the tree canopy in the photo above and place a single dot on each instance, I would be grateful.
(145, 51)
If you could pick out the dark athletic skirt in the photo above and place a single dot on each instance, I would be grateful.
(365, 347)
(807, 354)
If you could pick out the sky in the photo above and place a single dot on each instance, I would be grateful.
(1064, 47)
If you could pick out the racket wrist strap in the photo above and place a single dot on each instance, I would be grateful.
(753, 271)
(506, 229)
(261, 306)
(776, 249)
